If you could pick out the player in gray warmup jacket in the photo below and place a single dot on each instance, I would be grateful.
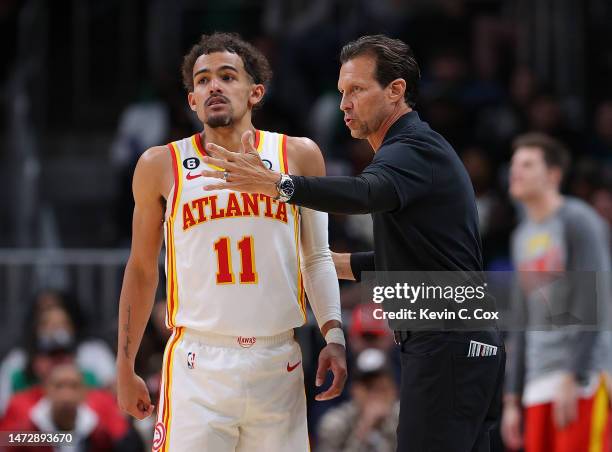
(553, 374)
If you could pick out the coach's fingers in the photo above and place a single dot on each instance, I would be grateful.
(220, 163)
(248, 143)
(220, 152)
(236, 186)
(212, 173)
(216, 174)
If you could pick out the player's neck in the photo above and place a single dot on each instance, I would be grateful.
(377, 137)
(540, 208)
(227, 137)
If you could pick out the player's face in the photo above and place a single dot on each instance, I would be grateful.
(363, 100)
(530, 177)
(223, 92)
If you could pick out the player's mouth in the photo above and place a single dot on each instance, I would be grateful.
(217, 100)
(348, 121)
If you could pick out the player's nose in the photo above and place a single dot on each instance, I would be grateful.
(215, 86)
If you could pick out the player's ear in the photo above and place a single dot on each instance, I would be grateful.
(396, 89)
(257, 94)
(191, 101)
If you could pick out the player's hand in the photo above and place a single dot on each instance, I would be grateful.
(565, 403)
(511, 426)
(246, 171)
(332, 357)
(133, 396)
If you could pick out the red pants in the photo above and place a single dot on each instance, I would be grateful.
(590, 432)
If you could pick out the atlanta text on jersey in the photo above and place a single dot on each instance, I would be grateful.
(238, 205)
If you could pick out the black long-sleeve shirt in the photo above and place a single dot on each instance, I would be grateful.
(420, 197)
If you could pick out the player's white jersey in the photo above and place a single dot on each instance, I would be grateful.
(232, 258)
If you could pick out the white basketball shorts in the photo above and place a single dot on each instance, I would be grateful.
(225, 393)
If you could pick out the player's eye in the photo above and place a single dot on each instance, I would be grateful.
(227, 77)
(202, 81)
(356, 89)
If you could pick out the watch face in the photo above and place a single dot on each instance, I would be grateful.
(286, 187)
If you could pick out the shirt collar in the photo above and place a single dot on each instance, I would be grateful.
(404, 121)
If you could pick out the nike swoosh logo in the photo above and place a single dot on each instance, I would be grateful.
(191, 177)
(291, 368)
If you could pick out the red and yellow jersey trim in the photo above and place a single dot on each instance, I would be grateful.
(300, 284)
(600, 418)
(167, 373)
(284, 163)
(171, 278)
(282, 154)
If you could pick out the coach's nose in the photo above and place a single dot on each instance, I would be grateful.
(344, 103)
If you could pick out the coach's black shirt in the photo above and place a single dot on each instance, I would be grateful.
(420, 197)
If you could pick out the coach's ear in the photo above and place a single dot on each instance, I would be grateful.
(396, 89)
(191, 101)
(257, 93)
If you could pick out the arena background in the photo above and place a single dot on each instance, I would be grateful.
(86, 86)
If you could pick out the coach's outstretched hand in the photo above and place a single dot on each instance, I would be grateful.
(133, 396)
(241, 171)
(332, 357)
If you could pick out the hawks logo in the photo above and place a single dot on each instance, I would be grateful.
(159, 436)
(246, 342)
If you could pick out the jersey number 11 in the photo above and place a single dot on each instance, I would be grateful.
(225, 275)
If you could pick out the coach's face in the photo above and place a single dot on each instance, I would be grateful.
(223, 91)
(530, 177)
(364, 101)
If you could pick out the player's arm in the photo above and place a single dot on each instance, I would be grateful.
(511, 425)
(140, 279)
(319, 273)
(588, 253)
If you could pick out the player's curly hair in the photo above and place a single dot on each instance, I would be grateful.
(255, 63)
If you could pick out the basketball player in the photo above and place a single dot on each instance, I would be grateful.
(236, 265)
(555, 399)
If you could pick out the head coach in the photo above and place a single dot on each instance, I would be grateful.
(424, 215)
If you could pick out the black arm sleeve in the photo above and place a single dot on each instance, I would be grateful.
(366, 193)
(362, 262)
(398, 175)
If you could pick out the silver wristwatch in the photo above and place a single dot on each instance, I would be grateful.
(285, 188)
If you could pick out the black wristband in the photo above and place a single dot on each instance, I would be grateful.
(362, 262)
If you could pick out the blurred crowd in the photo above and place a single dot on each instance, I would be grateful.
(474, 91)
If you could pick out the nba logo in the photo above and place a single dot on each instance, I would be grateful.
(191, 360)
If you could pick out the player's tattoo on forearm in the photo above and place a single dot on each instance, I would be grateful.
(126, 330)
